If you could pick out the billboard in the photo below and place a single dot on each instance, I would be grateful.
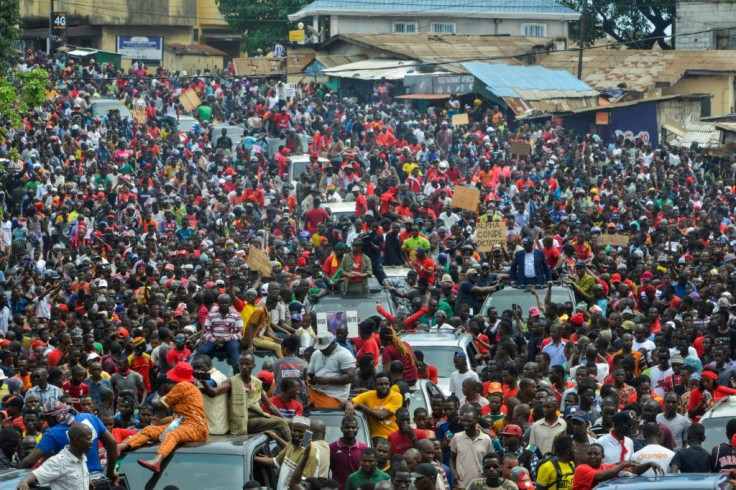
(140, 47)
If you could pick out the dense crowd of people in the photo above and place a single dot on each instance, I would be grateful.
(128, 263)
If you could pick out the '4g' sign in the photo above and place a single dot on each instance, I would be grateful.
(57, 29)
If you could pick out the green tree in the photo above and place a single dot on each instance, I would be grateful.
(262, 22)
(10, 27)
(21, 93)
(634, 22)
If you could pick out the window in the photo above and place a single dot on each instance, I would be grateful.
(534, 30)
(724, 39)
(405, 27)
(443, 28)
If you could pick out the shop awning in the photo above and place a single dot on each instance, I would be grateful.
(374, 69)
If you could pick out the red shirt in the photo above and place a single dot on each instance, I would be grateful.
(76, 392)
(142, 365)
(175, 355)
(400, 442)
(54, 357)
(485, 339)
(427, 263)
(552, 255)
(431, 372)
(288, 409)
(391, 353)
(585, 475)
(369, 347)
(314, 217)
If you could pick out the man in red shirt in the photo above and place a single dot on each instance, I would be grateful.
(75, 386)
(315, 216)
(423, 264)
(361, 205)
(286, 401)
(179, 353)
(405, 438)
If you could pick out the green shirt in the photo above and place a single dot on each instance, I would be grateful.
(412, 244)
(355, 480)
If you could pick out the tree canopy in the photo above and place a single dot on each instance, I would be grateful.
(633, 22)
(262, 22)
(10, 26)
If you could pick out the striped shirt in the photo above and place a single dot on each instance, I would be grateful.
(223, 329)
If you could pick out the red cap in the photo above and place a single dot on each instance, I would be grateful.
(577, 319)
(615, 278)
(314, 155)
(512, 430)
(647, 275)
(266, 376)
(123, 333)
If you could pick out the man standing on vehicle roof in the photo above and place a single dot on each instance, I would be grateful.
(529, 265)
(355, 269)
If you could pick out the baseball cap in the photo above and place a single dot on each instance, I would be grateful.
(324, 340)
(425, 470)
(677, 359)
(512, 430)
(520, 476)
(471, 272)
(495, 387)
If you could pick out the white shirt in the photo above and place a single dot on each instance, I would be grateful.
(657, 376)
(456, 382)
(656, 453)
(648, 345)
(64, 471)
(529, 265)
(612, 449)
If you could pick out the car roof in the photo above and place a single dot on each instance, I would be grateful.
(434, 338)
(725, 407)
(679, 481)
(339, 207)
(509, 290)
(221, 445)
(304, 157)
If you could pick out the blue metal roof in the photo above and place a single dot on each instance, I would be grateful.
(504, 80)
(427, 6)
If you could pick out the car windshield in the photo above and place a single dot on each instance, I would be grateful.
(299, 168)
(715, 431)
(504, 299)
(365, 306)
(333, 420)
(101, 109)
(186, 124)
(439, 356)
(184, 470)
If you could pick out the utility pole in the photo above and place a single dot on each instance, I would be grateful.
(581, 46)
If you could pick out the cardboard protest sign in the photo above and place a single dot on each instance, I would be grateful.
(190, 100)
(258, 260)
(139, 114)
(519, 148)
(459, 119)
(465, 198)
(490, 234)
(613, 240)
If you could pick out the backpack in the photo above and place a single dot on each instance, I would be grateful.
(558, 469)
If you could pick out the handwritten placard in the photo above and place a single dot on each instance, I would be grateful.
(614, 240)
(258, 260)
(519, 148)
(460, 119)
(490, 234)
(321, 322)
(466, 198)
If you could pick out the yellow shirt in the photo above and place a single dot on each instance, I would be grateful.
(547, 475)
(246, 313)
(392, 402)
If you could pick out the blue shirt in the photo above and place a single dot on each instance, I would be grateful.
(556, 354)
(54, 439)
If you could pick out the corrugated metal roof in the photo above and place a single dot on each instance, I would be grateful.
(447, 50)
(639, 70)
(436, 7)
(373, 69)
(314, 69)
(528, 82)
(726, 126)
(196, 49)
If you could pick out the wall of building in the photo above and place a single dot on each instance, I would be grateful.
(699, 15)
(677, 111)
(191, 62)
(125, 12)
(721, 87)
(385, 25)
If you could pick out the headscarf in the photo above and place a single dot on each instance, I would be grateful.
(63, 414)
